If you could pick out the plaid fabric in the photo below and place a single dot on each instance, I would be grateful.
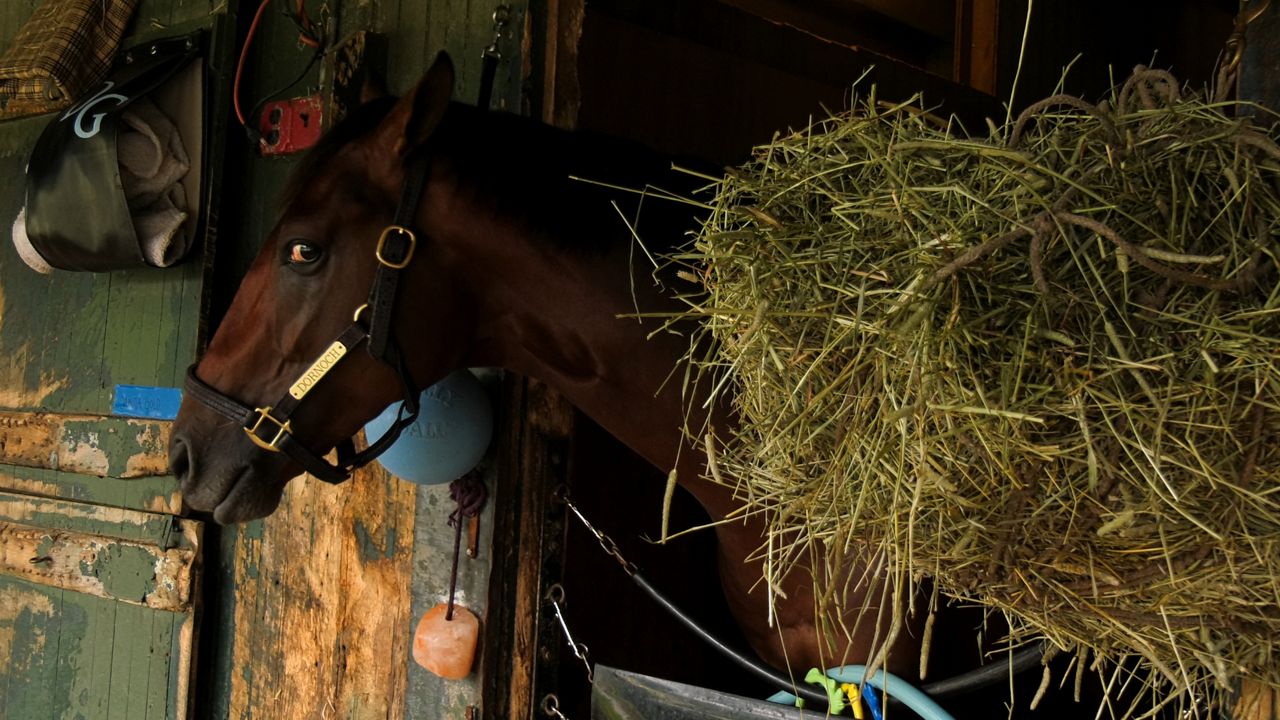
(64, 49)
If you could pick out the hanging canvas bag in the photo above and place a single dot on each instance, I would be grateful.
(65, 47)
(114, 180)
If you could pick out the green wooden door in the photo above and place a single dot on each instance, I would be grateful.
(99, 575)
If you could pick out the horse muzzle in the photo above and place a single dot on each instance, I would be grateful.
(226, 477)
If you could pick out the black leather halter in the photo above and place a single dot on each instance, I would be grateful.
(269, 427)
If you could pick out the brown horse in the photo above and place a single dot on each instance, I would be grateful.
(517, 265)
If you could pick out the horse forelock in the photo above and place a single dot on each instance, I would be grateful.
(356, 124)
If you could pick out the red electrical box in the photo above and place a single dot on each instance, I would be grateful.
(290, 126)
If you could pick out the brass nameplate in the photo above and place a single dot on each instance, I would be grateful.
(318, 370)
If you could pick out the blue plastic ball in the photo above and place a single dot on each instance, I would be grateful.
(448, 439)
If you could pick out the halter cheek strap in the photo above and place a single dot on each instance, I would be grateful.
(270, 427)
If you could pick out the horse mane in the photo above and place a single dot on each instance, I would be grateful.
(577, 191)
(571, 189)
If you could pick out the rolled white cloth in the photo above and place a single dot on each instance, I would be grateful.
(153, 162)
(23, 245)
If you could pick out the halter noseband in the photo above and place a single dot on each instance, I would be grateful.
(269, 427)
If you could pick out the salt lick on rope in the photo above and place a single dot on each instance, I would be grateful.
(448, 439)
(1042, 368)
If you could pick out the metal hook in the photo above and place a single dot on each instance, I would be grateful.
(555, 596)
(551, 707)
(1235, 44)
(501, 19)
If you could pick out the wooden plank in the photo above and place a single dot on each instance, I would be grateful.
(164, 14)
(182, 671)
(151, 494)
(130, 572)
(85, 444)
(162, 636)
(749, 77)
(306, 579)
(162, 531)
(29, 644)
(127, 648)
(86, 629)
(100, 652)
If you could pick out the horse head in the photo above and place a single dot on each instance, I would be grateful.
(309, 281)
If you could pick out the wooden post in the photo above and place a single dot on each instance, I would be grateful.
(977, 31)
(527, 548)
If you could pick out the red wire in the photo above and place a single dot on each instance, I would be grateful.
(244, 53)
(306, 37)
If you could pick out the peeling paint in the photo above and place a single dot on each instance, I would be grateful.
(18, 610)
(155, 494)
(96, 519)
(82, 451)
(126, 572)
(152, 450)
(85, 444)
(135, 573)
(14, 362)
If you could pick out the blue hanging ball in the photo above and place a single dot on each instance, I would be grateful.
(448, 439)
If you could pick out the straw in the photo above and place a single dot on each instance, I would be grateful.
(1041, 368)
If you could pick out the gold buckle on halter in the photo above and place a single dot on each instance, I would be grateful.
(264, 413)
(408, 255)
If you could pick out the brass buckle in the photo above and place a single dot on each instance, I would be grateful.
(264, 413)
(408, 255)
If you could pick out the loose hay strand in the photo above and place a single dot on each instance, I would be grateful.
(1041, 369)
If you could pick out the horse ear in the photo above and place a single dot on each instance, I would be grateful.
(416, 115)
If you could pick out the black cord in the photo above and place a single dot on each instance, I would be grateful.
(251, 128)
(751, 665)
(989, 674)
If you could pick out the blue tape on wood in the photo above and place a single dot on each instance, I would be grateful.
(160, 403)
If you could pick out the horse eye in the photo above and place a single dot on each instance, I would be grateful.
(301, 252)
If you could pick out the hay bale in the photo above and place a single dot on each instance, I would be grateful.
(1042, 367)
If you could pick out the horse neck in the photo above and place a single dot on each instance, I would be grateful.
(565, 314)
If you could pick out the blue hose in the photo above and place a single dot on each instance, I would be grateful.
(873, 702)
(892, 685)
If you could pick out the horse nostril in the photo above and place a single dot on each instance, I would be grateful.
(179, 460)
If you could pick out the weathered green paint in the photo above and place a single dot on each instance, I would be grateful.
(66, 340)
(119, 440)
(126, 571)
(370, 548)
(155, 493)
(76, 656)
(152, 528)
(76, 335)
(90, 445)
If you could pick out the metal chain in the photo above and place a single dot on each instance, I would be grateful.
(606, 542)
(555, 596)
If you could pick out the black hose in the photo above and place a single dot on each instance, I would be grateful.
(751, 665)
(979, 677)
